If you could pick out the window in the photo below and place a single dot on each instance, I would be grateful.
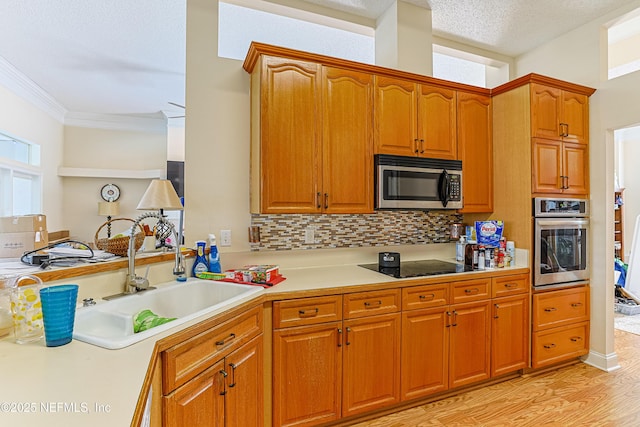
(623, 39)
(20, 177)
(238, 26)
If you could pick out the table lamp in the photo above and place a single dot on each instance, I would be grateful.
(160, 195)
(108, 209)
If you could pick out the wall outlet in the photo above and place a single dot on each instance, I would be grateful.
(309, 235)
(225, 237)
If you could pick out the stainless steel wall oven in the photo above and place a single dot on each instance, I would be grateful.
(561, 242)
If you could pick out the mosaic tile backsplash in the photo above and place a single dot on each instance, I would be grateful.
(287, 232)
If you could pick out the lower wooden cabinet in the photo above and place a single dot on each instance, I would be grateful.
(510, 334)
(229, 393)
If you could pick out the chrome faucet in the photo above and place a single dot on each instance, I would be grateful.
(136, 283)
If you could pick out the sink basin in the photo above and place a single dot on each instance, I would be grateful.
(110, 324)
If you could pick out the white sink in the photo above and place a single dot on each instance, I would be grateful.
(110, 324)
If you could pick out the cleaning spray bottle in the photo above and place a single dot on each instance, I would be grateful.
(200, 264)
(214, 256)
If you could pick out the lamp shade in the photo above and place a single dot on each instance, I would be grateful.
(160, 195)
(108, 208)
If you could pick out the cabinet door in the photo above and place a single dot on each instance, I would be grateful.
(395, 103)
(371, 378)
(547, 166)
(199, 402)
(425, 351)
(469, 348)
(437, 123)
(476, 152)
(575, 163)
(347, 143)
(546, 110)
(510, 334)
(291, 132)
(307, 369)
(244, 392)
(575, 117)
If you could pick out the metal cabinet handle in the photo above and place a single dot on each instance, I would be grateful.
(233, 376)
(471, 291)
(224, 388)
(348, 342)
(497, 308)
(576, 304)
(318, 200)
(549, 346)
(455, 318)
(231, 337)
(326, 200)
(576, 339)
(448, 319)
(421, 146)
(308, 313)
(564, 129)
(339, 337)
(510, 285)
(550, 309)
(373, 304)
(415, 145)
(430, 296)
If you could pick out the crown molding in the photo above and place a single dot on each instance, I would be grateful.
(142, 123)
(25, 88)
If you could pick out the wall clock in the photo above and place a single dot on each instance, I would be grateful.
(110, 192)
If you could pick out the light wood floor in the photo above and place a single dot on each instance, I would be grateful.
(577, 395)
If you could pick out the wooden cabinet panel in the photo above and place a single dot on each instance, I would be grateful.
(307, 372)
(510, 334)
(437, 123)
(575, 117)
(560, 308)
(347, 141)
(510, 285)
(362, 304)
(371, 377)
(475, 149)
(558, 344)
(427, 296)
(425, 352)
(244, 386)
(469, 345)
(547, 166)
(546, 110)
(470, 290)
(307, 311)
(187, 359)
(575, 163)
(200, 402)
(395, 105)
(290, 129)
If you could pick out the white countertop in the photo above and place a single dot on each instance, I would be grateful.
(79, 384)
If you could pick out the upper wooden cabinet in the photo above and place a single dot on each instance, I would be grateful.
(414, 119)
(475, 149)
(560, 167)
(311, 140)
(559, 114)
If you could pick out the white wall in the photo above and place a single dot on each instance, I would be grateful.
(631, 154)
(580, 57)
(23, 120)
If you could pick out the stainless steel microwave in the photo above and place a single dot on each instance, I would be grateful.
(417, 183)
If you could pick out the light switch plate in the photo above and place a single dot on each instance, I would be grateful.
(225, 237)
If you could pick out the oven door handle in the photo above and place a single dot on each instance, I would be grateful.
(444, 185)
(565, 222)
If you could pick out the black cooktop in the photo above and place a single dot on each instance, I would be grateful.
(429, 267)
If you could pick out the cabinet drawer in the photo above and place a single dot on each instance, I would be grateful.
(509, 285)
(184, 361)
(471, 290)
(559, 308)
(425, 296)
(363, 304)
(307, 311)
(558, 344)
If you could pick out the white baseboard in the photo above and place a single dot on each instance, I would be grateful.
(606, 362)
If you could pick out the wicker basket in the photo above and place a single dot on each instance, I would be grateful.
(118, 245)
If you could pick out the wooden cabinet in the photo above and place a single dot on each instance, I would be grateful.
(559, 114)
(413, 119)
(312, 139)
(560, 325)
(618, 224)
(560, 167)
(215, 378)
(475, 149)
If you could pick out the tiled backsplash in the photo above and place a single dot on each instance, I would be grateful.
(287, 232)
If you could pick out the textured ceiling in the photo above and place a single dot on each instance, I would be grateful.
(128, 56)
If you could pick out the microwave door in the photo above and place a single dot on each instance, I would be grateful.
(444, 184)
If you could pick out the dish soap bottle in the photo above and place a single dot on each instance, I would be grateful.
(200, 264)
(214, 256)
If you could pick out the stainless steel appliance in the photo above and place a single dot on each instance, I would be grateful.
(417, 183)
(561, 242)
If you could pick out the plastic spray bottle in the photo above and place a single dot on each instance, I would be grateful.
(214, 256)
(200, 264)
